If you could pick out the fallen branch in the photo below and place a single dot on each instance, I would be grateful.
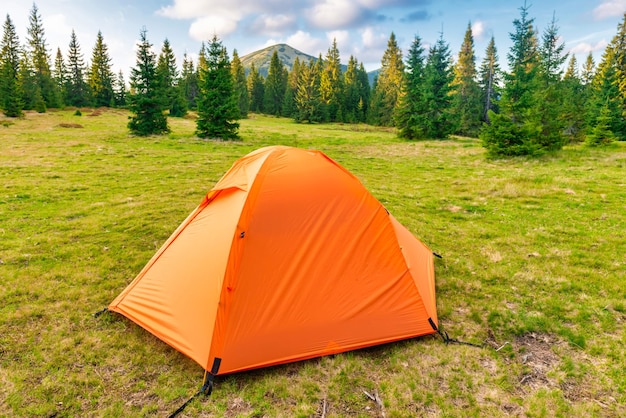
(378, 401)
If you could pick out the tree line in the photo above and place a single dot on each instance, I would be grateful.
(538, 105)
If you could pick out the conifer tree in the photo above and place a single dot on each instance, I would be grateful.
(308, 101)
(411, 112)
(467, 106)
(101, 76)
(588, 71)
(167, 77)
(144, 101)
(217, 105)
(437, 87)
(78, 93)
(513, 131)
(363, 84)
(188, 82)
(60, 75)
(119, 90)
(289, 106)
(388, 85)
(489, 81)
(331, 83)
(256, 90)
(31, 92)
(240, 85)
(275, 85)
(574, 101)
(40, 60)
(351, 93)
(10, 88)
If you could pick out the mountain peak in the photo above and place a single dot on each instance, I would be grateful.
(287, 55)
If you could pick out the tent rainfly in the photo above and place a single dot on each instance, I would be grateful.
(287, 258)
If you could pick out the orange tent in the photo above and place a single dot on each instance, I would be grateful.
(288, 257)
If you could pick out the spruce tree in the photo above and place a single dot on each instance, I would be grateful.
(275, 85)
(363, 84)
(331, 83)
(466, 106)
(40, 60)
(60, 75)
(388, 85)
(144, 102)
(188, 82)
(489, 81)
(78, 93)
(101, 76)
(217, 105)
(10, 88)
(351, 92)
(308, 101)
(574, 102)
(27, 82)
(289, 105)
(410, 118)
(240, 85)
(119, 90)
(167, 77)
(437, 87)
(256, 90)
(514, 131)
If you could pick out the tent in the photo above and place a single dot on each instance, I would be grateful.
(287, 258)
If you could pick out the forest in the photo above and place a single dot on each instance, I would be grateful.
(544, 100)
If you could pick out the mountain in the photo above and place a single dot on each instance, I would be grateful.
(262, 58)
(287, 54)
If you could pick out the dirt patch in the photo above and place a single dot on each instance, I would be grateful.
(70, 125)
(536, 354)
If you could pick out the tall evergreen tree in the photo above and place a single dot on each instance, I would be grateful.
(489, 81)
(188, 82)
(289, 106)
(574, 101)
(589, 68)
(437, 87)
(467, 106)
(308, 101)
(144, 101)
(240, 85)
(363, 84)
(101, 76)
(119, 90)
(31, 92)
(78, 93)
(256, 90)
(275, 85)
(40, 60)
(60, 75)
(217, 106)
(411, 112)
(331, 83)
(388, 85)
(10, 88)
(351, 92)
(167, 77)
(513, 131)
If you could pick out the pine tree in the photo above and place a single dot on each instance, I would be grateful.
(188, 82)
(331, 83)
(256, 90)
(101, 76)
(608, 90)
(240, 85)
(217, 105)
(547, 112)
(40, 60)
(275, 85)
(119, 90)
(588, 70)
(27, 82)
(289, 105)
(489, 81)
(10, 88)
(574, 102)
(411, 111)
(144, 101)
(78, 93)
(513, 131)
(60, 74)
(388, 85)
(437, 87)
(351, 93)
(167, 77)
(467, 106)
(308, 102)
(363, 84)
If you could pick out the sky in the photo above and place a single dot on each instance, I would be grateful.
(360, 27)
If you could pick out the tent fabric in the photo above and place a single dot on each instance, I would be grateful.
(288, 257)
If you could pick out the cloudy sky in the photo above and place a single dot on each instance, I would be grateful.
(361, 27)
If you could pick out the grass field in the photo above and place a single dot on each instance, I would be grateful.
(534, 267)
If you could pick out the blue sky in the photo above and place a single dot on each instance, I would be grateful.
(361, 27)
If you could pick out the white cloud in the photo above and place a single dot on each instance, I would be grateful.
(478, 29)
(341, 36)
(609, 8)
(306, 43)
(273, 24)
(372, 40)
(585, 47)
(334, 14)
(204, 28)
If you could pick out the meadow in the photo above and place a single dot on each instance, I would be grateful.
(533, 269)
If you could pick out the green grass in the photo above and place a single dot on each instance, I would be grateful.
(534, 266)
